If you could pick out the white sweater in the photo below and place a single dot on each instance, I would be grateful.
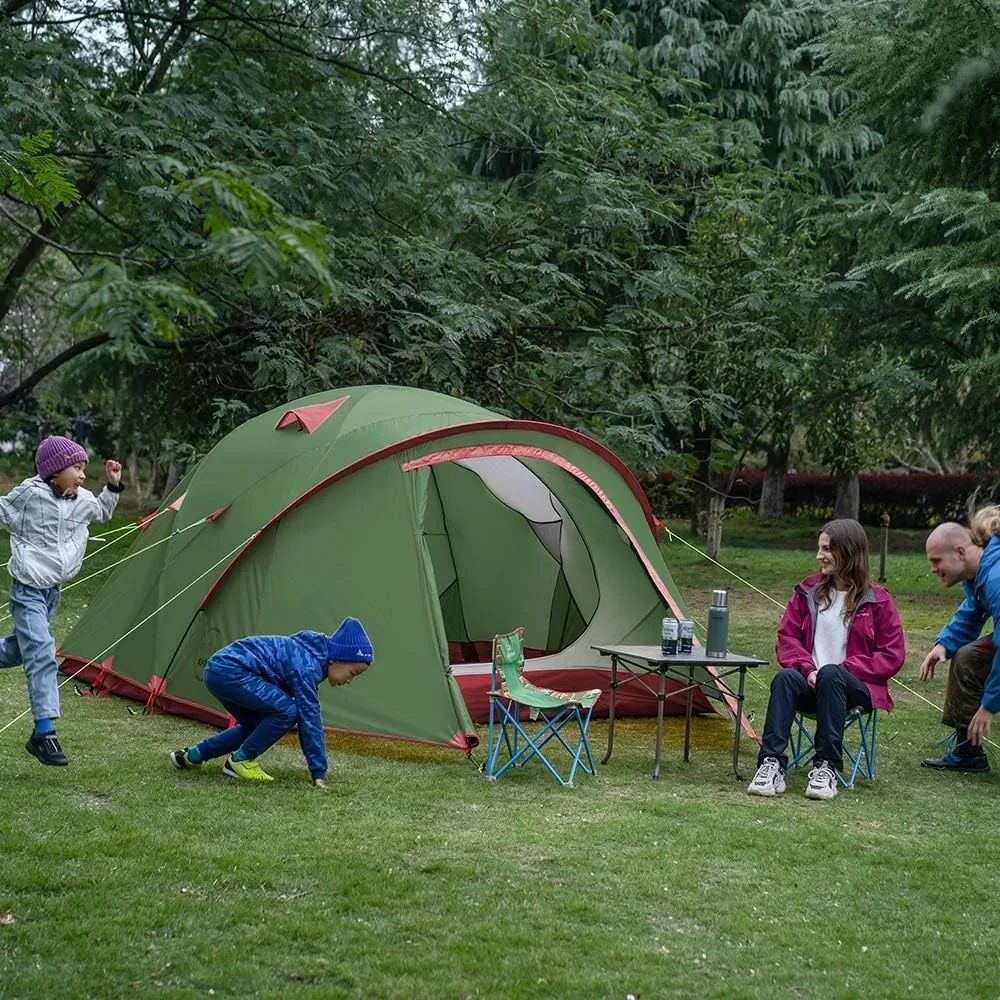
(830, 641)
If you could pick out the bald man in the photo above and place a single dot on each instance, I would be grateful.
(973, 692)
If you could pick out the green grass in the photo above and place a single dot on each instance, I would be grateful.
(414, 877)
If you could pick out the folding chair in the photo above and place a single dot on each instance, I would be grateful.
(861, 752)
(555, 711)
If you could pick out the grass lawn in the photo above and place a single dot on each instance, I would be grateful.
(414, 877)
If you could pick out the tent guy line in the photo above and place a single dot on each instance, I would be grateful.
(125, 559)
(97, 658)
(460, 523)
(895, 680)
(125, 529)
(671, 536)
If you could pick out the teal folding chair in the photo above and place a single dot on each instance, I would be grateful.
(860, 744)
(561, 717)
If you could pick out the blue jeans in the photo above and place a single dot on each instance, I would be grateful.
(263, 711)
(32, 644)
(836, 691)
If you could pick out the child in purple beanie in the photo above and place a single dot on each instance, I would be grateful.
(47, 517)
(270, 683)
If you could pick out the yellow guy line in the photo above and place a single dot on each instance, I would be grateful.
(916, 694)
(97, 659)
(125, 559)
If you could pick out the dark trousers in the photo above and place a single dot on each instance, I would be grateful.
(970, 666)
(836, 692)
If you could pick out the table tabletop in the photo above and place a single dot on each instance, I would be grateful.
(643, 661)
(655, 656)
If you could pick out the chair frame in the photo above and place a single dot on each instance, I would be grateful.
(507, 732)
(802, 745)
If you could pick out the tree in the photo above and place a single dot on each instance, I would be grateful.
(926, 75)
(201, 159)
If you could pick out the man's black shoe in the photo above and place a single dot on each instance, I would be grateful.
(954, 761)
(47, 750)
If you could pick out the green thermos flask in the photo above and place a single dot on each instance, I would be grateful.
(717, 641)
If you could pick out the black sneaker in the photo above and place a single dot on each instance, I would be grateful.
(954, 760)
(180, 760)
(47, 750)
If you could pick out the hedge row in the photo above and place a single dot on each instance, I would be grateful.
(912, 500)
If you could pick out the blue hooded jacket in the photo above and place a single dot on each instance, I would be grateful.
(982, 601)
(297, 665)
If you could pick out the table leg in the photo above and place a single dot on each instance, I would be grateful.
(687, 719)
(739, 725)
(660, 698)
(611, 709)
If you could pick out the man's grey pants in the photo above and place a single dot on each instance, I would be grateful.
(970, 666)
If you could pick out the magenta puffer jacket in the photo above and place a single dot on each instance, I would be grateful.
(875, 645)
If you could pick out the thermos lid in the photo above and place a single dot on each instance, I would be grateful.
(720, 598)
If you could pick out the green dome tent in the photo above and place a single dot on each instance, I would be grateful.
(435, 522)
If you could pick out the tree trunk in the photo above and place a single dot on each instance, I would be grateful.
(716, 508)
(132, 471)
(772, 493)
(174, 475)
(701, 497)
(848, 502)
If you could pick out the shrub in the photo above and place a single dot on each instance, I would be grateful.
(912, 500)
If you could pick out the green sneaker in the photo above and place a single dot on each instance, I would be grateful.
(249, 770)
(181, 760)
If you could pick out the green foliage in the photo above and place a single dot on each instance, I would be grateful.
(676, 226)
(35, 177)
(925, 74)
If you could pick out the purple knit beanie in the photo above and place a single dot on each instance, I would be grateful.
(57, 453)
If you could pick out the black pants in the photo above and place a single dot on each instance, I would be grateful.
(835, 693)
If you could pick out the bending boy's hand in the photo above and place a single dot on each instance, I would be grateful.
(113, 471)
(319, 783)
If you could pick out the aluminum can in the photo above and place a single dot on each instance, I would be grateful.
(669, 636)
(685, 636)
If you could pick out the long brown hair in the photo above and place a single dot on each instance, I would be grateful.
(849, 548)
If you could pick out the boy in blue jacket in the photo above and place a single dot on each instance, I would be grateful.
(270, 683)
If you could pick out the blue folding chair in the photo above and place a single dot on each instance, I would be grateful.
(860, 744)
(563, 717)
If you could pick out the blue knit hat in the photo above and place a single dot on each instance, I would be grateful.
(350, 643)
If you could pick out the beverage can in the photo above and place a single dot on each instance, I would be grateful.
(669, 636)
(685, 635)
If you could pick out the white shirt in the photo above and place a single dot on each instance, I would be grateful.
(830, 640)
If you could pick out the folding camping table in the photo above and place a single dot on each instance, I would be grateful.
(641, 661)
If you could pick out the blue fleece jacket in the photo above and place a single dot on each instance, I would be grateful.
(982, 601)
(297, 665)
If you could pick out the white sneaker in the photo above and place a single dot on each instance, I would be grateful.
(769, 779)
(822, 782)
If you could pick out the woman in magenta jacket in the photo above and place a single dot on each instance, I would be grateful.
(838, 644)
